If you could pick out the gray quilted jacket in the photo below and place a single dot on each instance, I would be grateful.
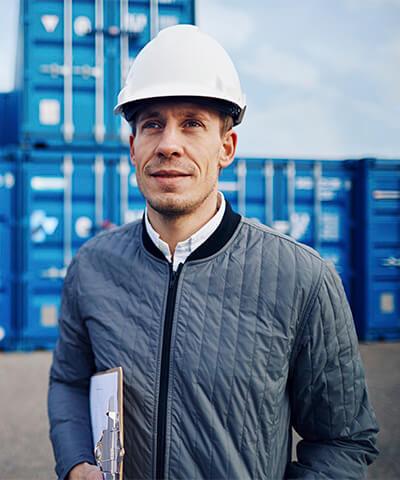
(251, 337)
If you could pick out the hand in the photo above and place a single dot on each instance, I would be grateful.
(85, 471)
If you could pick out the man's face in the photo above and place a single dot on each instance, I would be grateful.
(178, 151)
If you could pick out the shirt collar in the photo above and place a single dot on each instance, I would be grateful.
(186, 247)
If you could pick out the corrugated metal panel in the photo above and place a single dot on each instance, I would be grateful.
(378, 258)
(8, 331)
(64, 201)
(309, 200)
(74, 56)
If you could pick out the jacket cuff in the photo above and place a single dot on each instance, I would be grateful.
(65, 469)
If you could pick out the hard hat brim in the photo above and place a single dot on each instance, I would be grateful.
(130, 107)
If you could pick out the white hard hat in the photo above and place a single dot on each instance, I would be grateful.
(182, 61)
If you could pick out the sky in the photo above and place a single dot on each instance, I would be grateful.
(322, 79)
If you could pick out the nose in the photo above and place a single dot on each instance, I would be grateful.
(170, 143)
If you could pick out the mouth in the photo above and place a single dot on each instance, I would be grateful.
(169, 174)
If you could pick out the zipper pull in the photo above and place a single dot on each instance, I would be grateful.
(173, 275)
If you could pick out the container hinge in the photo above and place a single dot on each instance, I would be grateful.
(55, 70)
(86, 71)
(386, 194)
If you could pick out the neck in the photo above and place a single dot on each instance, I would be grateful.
(177, 229)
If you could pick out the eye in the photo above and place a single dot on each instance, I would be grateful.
(151, 124)
(192, 123)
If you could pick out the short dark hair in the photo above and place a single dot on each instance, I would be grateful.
(226, 123)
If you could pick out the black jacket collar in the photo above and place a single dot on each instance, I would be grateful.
(212, 245)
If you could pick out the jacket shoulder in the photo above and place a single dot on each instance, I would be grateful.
(284, 241)
(294, 263)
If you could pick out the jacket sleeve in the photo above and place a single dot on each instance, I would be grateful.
(68, 400)
(328, 394)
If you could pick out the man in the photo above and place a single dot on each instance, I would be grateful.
(229, 333)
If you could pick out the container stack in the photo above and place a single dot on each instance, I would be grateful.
(347, 210)
(65, 173)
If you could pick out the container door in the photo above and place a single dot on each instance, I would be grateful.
(45, 65)
(321, 214)
(8, 327)
(383, 251)
(68, 95)
(64, 205)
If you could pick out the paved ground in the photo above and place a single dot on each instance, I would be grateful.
(26, 454)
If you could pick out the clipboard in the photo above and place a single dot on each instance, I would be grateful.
(106, 415)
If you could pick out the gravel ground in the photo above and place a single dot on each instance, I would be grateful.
(26, 451)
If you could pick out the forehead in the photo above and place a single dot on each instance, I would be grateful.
(174, 108)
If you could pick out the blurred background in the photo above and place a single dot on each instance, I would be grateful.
(318, 159)
(322, 78)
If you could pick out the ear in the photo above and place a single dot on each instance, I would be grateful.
(132, 149)
(228, 148)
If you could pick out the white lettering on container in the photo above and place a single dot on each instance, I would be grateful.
(82, 26)
(48, 315)
(83, 226)
(387, 302)
(47, 183)
(168, 21)
(136, 22)
(49, 22)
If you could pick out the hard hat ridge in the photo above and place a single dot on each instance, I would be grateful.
(182, 61)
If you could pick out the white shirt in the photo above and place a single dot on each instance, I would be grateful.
(186, 247)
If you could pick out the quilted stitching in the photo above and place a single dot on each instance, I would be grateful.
(261, 330)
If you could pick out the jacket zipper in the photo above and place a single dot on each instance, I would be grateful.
(164, 373)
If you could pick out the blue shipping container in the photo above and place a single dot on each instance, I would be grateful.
(73, 57)
(64, 199)
(8, 330)
(377, 199)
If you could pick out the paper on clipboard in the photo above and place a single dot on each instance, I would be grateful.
(106, 412)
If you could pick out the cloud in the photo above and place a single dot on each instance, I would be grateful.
(384, 67)
(280, 68)
(231, 26)
(342, 59)
(363, 4)
(319, 126)
(305, 128)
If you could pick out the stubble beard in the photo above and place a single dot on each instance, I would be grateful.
(173, 207)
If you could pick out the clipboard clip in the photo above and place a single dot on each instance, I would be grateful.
(109, 451)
